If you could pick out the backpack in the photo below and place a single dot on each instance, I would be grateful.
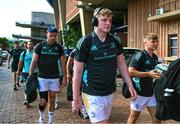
(124, 89)
(24, 54)
(168, 101)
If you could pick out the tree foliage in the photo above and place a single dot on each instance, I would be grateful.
(4, 42)
(72, 35)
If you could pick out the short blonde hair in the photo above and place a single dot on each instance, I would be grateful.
(150, 36)
(102, 11)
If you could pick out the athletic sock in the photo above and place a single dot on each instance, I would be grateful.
(42, 114)
(51, 117)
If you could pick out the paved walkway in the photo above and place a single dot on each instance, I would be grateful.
(13, 111)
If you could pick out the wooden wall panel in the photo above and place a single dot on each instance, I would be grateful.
(138, 12)
(178, 4)
(131, 25)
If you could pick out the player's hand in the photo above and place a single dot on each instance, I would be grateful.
(64, 82)
(154, 74)
(76, 106)
(132, 92)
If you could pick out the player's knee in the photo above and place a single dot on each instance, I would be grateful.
(43, 98)
(42, 107)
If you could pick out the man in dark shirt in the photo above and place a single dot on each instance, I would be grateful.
(46, 57)
(99, 53)
(141, 68)
(69, 70)
(14, 53)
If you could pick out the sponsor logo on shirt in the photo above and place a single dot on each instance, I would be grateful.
(147, 62)
(94, 48)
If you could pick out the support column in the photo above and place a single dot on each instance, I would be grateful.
(56, 14)
(86, 21)
(62, 17)
(57, 20)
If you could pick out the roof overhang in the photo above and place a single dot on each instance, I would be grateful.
(118, 5)
(50, 2)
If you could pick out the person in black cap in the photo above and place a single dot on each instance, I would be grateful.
(46, 56)
(14, 53)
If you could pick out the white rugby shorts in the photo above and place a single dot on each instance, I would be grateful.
(141, 102)
(98, 107)
(48, 84)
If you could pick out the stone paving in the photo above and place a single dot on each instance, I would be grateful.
(13, 111)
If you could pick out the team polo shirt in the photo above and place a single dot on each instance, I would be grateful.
(15, 53)
(27, 61)
(48, 59)
(100, 60)
(142, 61)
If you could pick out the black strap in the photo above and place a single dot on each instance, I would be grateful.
(24, 54)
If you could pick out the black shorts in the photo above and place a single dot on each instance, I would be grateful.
(14, 68)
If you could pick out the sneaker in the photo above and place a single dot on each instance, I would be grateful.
(57, 106)
(21, 81)
(83, 115)
(41, 121)
(18, 85)
(15, 87)
(26, 103)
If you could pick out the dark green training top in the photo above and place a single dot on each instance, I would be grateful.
(15, 53)
(48, 59)
(142, 61)
(100, 60)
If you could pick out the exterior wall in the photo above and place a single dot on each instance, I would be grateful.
(71, 9)
(166, 29)
(169, 27)
(138, 12)
(41, 19)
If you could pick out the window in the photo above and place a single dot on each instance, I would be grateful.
(173, 43)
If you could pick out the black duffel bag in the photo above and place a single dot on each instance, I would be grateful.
(31, 88)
